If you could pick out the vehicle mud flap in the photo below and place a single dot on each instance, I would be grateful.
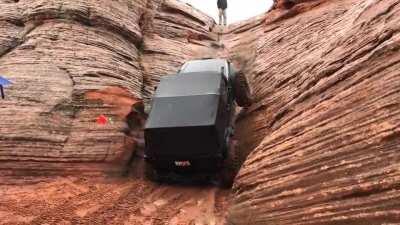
(230, 168)
(242, 90)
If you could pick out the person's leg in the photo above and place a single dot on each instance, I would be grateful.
(220, 16)
(224, 15)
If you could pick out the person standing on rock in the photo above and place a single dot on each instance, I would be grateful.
(222, 6)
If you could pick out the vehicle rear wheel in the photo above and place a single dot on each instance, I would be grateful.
(231, 168)
(150, 173)
(242, 90)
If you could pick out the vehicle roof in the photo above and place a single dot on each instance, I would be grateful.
(189, 84)
(186, 111)
(186, 100)
(205, 65)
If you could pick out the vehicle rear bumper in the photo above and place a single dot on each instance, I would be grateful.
(198, 166)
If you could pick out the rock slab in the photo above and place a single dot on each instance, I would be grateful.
(326, 125)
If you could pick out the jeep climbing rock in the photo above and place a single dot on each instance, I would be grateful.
(190, 126)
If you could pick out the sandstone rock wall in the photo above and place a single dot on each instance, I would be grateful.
(72, 61)
(327, 117)
(177, 33)
(57, 52)
(322, 136)
(240, 46)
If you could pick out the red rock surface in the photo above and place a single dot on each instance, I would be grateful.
(326, 124)
(56, 53)
(322, 138)
(71, 63)
(60, 55)
(131, 201)
(177, 34)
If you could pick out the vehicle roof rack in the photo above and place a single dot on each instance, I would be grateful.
(206, 58)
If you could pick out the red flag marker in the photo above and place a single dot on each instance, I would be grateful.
(102, 120)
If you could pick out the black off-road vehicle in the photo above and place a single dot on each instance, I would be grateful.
(190, 126)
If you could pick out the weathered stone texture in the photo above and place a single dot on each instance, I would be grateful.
(322, 136)
(327, 85)
(72, 61)
(177, 34)
(55, 52)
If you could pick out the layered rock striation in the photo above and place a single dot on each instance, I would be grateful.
(55, 53)
(73, 61)
(326, 122)
(321, 141)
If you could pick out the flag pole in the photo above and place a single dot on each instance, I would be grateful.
(2, 91)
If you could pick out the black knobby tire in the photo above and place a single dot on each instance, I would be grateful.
(231, 167)
(242, 90)
(150, 173)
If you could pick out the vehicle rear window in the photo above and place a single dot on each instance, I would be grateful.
(204, 65)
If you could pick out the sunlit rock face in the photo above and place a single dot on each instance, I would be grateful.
(321, 139)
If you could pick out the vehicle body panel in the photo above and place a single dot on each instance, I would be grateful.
(189, 121)
(211, 65)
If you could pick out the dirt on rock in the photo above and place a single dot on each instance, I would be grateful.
(111, 200)
(92, 59)
(320, 144)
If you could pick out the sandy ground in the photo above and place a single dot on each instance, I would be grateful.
(131, 199)
(106, 200)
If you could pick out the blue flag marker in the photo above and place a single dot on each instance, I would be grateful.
(3, 82)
